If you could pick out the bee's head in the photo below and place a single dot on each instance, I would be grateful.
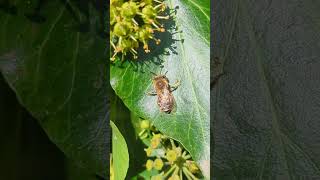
(160, 77)
(157, 76)
(160, 81)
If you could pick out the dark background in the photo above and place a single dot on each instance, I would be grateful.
(26, 152)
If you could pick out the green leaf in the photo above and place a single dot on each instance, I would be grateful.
(185, 53)
(146, 174)
(120, 153)
(266, 105)
(120, 115)
(53, 56)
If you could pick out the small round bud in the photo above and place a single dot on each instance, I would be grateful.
(148, 12)
(149, 164)
(145, 124)
(129, 9)
(120, 29)
(158, 164)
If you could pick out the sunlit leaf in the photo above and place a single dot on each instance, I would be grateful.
(184, 52)
(120, 155)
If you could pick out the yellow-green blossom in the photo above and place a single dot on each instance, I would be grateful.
(145, 124)
(148, 151)
(155, 141)
(158, 164)
(171, 155)
(149, 164)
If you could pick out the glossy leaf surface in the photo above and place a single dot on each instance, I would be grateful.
(120, 155)
(184, 52)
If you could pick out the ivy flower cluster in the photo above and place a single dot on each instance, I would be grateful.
(134, 22)
(167, 156)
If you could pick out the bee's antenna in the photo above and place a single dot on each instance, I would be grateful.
(166, 73)
(153, 73)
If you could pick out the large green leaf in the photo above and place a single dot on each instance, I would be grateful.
(55, 60)
(266, 105)
(184, 52)
(120, 153)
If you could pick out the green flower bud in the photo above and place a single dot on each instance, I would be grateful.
(148, 13)
(145, 124)
(129, 9)
(121, 29)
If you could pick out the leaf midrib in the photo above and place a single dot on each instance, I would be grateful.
(276, 130)
(195, 31)
(200, 8)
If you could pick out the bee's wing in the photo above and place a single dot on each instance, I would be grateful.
(171, 105)
(174, 105)
(165, 101)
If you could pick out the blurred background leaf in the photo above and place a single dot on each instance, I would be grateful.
(26, 151)
(53, 55)
(266, 107)
(184, 52)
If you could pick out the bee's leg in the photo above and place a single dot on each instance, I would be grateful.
(175, 85)
(152, 93)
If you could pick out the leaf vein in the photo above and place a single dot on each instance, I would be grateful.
(44, 42)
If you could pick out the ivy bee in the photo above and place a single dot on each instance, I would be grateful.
(163, 90)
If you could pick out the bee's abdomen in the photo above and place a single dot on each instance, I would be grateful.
(166, 108)
(165, 103)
